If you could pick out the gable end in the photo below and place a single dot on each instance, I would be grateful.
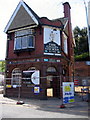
(24, 12)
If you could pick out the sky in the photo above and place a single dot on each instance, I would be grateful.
(43, 8)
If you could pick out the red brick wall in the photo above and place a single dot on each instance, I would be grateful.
(81, 69)
(70, 37)
(39, 46)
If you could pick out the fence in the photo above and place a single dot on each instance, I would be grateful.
(82, 81)
(79, 81)
(42, 87)
(49, 86)
(82, 87)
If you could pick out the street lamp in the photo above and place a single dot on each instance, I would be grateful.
(88, 33)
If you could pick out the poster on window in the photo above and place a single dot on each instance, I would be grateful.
(68, 92)
(8, 86)
(36, 90)
(52, 41)
(31, 77)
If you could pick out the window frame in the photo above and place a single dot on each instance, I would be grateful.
(28, 32)
(65, 43)
(16, 74)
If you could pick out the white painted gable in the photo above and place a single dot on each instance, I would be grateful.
(21, 17)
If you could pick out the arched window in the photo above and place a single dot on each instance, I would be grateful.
(51, 69)
(32, 68)
(16, 75)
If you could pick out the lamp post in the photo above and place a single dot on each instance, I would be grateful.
(88, 33)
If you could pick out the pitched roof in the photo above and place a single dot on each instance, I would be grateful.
(36, 16)
(29, 18)
(30, 12)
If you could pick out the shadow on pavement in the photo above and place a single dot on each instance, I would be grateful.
(53, 105)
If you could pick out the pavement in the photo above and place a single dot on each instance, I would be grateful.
(79, 107)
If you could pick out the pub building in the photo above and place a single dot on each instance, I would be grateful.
(39, 55)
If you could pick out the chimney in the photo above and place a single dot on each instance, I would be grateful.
(67, 14)
(67, 8)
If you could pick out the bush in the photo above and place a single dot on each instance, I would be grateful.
(82, 57)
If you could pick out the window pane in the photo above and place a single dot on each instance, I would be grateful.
(17, 43)
(16, 75)
(30, 41)
(65, 46)
(24, 32)
(51, 69)
(24, 42)
(24, 39)
(30, 31)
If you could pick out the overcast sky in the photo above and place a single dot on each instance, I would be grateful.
(47, 8)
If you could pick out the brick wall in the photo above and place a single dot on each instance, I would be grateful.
(82, 69)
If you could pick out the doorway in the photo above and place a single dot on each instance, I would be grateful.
(52, 86)
(49, 86)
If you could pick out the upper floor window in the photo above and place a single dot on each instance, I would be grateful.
(24, 39)
(65, 47)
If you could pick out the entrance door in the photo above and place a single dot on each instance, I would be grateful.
(52, 86)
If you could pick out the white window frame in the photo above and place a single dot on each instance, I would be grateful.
(65, 47)
(24, 33)
(16, 72)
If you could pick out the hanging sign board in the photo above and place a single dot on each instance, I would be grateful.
(68, 92)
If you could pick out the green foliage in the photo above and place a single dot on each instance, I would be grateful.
(2, 66)
(81, 40)
(82, 57)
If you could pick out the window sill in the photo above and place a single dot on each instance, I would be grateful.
(24, 50)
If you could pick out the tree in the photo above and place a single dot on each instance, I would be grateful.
(2, 66)
(81, 40)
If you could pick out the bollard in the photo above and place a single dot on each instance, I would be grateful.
(20, 103)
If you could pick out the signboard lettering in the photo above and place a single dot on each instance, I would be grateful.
(52, 41)
(51, 47)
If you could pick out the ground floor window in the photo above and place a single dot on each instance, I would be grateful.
(16, 75)
(51, 69)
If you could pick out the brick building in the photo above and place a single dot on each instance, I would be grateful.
(40, 51)
(82, 72)
(82, 68)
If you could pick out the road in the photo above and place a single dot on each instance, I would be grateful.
(42, 109)
(20, 111)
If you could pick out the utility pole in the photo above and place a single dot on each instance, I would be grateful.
(88, 33)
